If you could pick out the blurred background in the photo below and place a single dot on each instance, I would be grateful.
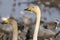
(50, 18)
(50, 8)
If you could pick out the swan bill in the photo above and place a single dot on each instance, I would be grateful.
(5, 21)
(28, 9)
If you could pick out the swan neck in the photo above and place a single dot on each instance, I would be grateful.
(15, 30)
(38, 15)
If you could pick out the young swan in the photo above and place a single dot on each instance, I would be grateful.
(37, 12)
(13, 22)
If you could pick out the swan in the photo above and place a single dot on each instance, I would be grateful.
(44, 33)
(53, 25)
(12, 21)
(36, 10)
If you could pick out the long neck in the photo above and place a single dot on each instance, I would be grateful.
(38, 15)
(15, 30)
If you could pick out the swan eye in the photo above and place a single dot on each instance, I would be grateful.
(32, 7)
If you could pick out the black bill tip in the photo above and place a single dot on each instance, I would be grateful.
(25, 9)
(2, 23)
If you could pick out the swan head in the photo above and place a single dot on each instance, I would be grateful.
(6, 20)
(33, 9)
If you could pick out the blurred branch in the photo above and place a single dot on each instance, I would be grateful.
(51, 3)
(33, 2)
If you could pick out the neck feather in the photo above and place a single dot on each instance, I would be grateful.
(15, 30)
(38, 15)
